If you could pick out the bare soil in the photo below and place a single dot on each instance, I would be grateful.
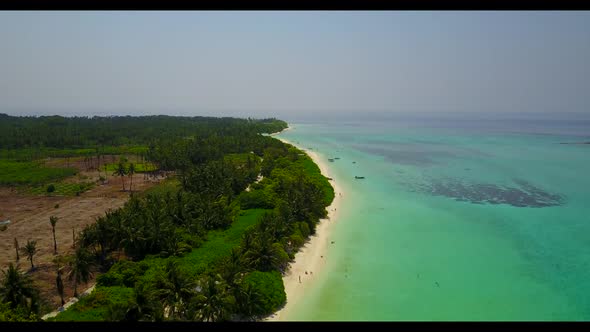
(29, 220)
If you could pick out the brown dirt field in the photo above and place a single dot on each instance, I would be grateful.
(29, 216)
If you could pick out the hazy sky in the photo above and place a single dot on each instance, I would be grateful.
(291, 63)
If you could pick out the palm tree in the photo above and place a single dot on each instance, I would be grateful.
(233, 267)
(176, 289)
(17, 249)
(131, 171)
(53, 221)
(17, 289)
(144, 305)
(264, 255)
(30, 249)
(121, 171)
(80, 268)
(248, 301)
(60, 286)
(117, 312)
(213, 303)
(105, 170)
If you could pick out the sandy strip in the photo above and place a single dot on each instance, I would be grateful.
(278, 132)
(312, 256)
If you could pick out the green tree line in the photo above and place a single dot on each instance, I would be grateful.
(142, 250)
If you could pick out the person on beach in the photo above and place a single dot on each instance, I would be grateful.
(299, 278)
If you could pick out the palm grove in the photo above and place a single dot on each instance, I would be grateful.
(203, 248)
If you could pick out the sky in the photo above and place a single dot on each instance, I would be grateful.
(294, 64)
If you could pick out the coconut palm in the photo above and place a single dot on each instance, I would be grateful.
(116, 312)
(106, 177)
(263, 255)
(80, 266)
(213, 303)
(131, 171)
(121, 171)
(175, 290)
(144, 306)
(17, 249)
(233, 267)
(30, 249)
(17, 289)
(248, 301)
(53, 221)
(60, 286)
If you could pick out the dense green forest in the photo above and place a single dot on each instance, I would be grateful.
(59, 132)
(211, 244)
(24, 141)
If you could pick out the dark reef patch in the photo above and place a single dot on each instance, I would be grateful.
(417, 154)
(406, 156)
(575, 143)
(523, 195)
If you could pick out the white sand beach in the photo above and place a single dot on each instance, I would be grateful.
(312, 256)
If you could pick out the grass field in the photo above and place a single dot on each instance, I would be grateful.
(61, 189)
(219, 243)
(19, 173)
(170, 185)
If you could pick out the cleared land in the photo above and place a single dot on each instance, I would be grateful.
(29, 212)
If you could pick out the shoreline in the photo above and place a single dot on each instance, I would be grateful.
(311, 258)
(278, 132)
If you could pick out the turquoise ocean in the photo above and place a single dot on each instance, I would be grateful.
(454, 220)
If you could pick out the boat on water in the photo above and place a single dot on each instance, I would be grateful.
(337, 158)
(332, 160)
(359, 177)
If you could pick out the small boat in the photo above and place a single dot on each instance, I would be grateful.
(337, 158)
(354, 162)
(359, 177)
(332, 160)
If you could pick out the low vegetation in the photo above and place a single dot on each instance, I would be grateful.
(33, 173)
(59, 189)
(199, 246)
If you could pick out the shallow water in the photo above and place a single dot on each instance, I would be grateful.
(453, 222)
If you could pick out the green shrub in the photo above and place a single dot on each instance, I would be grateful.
(256, 199)
(297, 239)
(270, 289)
(304, 229)
(51, 188)
(282, 255)
(123, 273)
(16, 315)
(94, 307)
